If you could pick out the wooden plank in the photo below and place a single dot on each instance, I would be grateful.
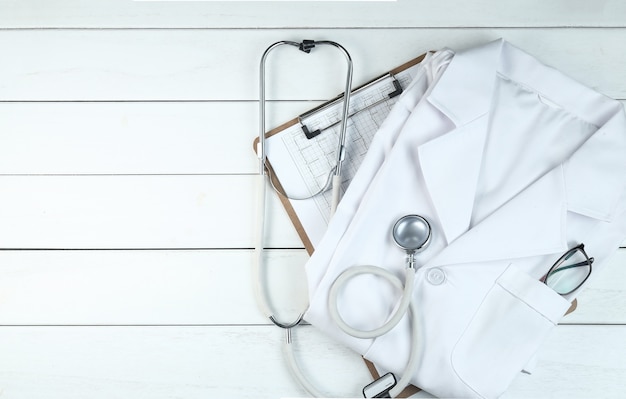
(577, 362)
(163, 362)
(134, 138)
(86, 65)
(246, 362)
(212, 211)
(197, 288)
(293, 14)
(146, 287)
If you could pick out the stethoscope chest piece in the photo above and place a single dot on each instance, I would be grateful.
(412, 233)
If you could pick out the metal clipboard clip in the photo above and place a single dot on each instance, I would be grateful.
(311, 133)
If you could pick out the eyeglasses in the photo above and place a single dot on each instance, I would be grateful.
(570, 271)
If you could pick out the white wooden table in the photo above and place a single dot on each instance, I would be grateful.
(126, 188)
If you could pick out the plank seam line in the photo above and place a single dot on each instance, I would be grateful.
(306, 28)
(200, 325)
(239, 325)
(123, 174)
(181, 101)
(175, 101)
(149, 249)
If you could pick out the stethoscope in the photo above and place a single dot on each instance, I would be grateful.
(411, 233)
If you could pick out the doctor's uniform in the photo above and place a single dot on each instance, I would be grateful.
(512, 163)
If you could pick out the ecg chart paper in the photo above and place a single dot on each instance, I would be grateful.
(302, 165)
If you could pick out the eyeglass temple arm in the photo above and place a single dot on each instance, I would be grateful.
(579, 264)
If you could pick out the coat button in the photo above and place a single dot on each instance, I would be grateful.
(436, 276)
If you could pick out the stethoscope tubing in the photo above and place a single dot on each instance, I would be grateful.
(347, 275)
(406, 306)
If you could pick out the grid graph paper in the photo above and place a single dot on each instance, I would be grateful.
(303, 165)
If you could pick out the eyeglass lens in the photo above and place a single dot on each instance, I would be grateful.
(570, 272)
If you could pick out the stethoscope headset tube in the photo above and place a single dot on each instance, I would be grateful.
(335, 173)
(306, 46)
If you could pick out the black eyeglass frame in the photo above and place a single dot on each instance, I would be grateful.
(567, 255)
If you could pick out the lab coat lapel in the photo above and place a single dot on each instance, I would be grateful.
(445, 159)
(590, 183)
(532, 221)
(459, 152)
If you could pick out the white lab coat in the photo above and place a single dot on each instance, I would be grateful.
(512, 163)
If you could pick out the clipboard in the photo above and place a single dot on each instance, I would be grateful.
(388, 82)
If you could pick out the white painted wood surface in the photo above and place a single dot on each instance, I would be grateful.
(297, 13)
(126, 192)
(222, 65)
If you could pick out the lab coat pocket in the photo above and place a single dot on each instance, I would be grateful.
(510, 324)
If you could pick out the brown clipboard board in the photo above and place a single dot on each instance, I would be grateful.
(411, 389)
